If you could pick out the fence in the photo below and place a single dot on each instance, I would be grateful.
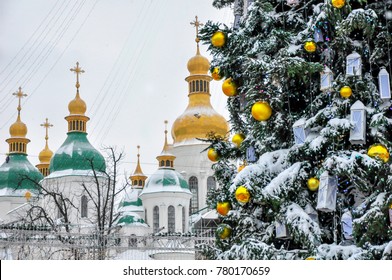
(25, 244)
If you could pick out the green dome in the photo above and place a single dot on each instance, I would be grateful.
(75, 154)
(12, 173)
(166, 180)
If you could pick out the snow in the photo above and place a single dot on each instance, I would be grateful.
(333, 252)
(72, 172)
(66, 149)
(14, 192)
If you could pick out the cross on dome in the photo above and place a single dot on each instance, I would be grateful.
(77, 71)
(19, 94)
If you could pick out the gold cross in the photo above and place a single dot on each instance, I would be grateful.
(196, 24)
(19, 94)
(46, 124)
(138, 151)
(78, 71)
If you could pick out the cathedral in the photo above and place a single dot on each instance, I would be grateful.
(71, 187)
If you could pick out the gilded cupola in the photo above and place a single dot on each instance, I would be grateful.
(46, 154)
(199, 118)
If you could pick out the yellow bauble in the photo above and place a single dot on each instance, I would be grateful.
(379, 151)
(242, 166)
(311, 258)
(338, 3)
(212, 155)
(310, 47)
(229, 87)
(261, 111)
(346, 92)
(242, 195)
(223, 231)
(27, 195)
(218, 39)
(216, 74)
(313, 184)
(223, 208)
(237, 139)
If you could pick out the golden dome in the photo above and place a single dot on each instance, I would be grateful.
(77, 106)
(45, 155)
(198, 64)
(18, 128)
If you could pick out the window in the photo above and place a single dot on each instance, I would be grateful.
(211, 183)
(205, 86)
(171, 219)
(193, 86)
(155, 219)
(140, 183)
(145, 214)
(168, 163)
(197, 85)
(201, 86)
(193, 186)
(162, 163)
(83, 211)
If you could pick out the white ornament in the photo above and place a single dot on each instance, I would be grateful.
(326, 200)
(292, 3)
(358, 119)
(347, 225)
(354, 65)
(326, 79)
(281, 230)
(300, 133)
(251, 154)
(384, 84)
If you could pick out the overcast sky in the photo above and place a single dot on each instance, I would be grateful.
(134, 53)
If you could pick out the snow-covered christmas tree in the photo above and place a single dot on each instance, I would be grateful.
(309, 101)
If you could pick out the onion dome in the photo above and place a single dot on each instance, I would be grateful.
(199, 118)
(166, 179)
(46, 154)
(18, 177)
(138, 178)
(76, 156)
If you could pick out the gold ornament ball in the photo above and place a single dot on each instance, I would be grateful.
(229, 87)
(237, 139)
(212, 155)
(216, 74)
(379, 151)
(242, 195)
(338, 3)
(311, 258)
(242, 166)
(313, 184)
(310, 46)
(223, 231)
(346, 92)
(223, 208)
(261, 111)
(218, 39)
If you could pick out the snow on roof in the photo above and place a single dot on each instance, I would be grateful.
(72, 172)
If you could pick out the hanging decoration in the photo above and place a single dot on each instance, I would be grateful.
(318, 35)
(237, 139)
(223, 208)
(358, 119)
(347, 225)
(346, 92)
(326, 79)
(326, 200)
(223, 231)
(310, 46)
(312, 213)
(300, 133)
(242, 195)
(212, 155)
(378, 151)
(229, 87)
(292, 3)
(390, 215)
(251, 154)
(338, 3)
(241, 167)
(384, 84)
(261, 111)
(313, 184)
(215, 74)
(281, 230)
(218, 39)
(354, 65)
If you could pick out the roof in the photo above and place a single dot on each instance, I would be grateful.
(166, 180)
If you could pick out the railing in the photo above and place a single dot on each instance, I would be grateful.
(43, 244)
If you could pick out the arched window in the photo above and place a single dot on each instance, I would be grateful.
(171, 219)
(135, 182)
(155, 219)
(140, 182)
(211, 184)
(193, 186)
(83, 208)
(162, 163)
(205, 86)
(193, 86)
(145, 214)
(201, 86)
(197, 85)
(183, 219)
(167, 163)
